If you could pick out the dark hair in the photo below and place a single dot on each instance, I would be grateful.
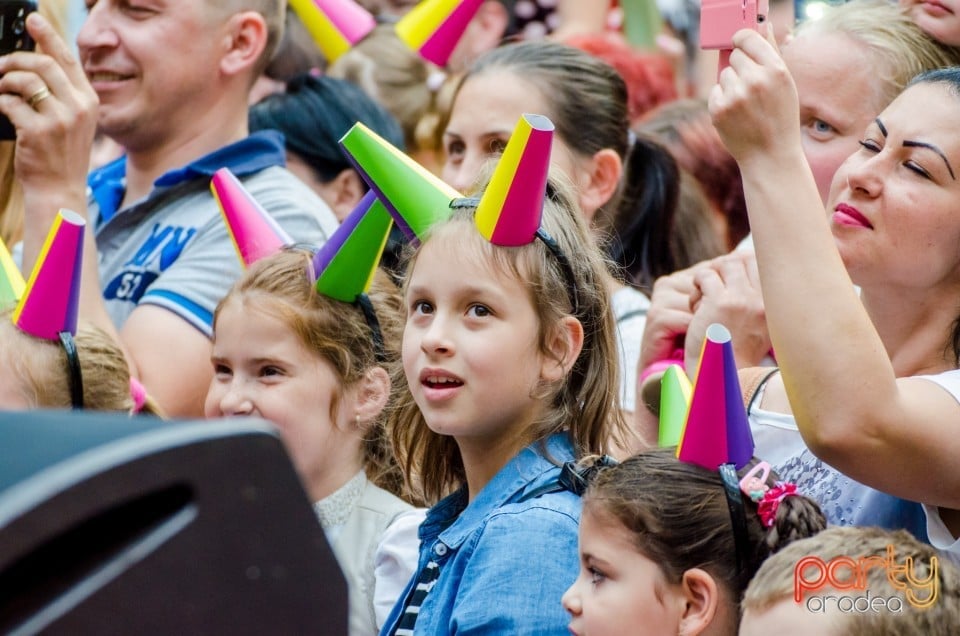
(314, 113)
(677, 515)
(638, 231)
(950, 78)
(587, 103)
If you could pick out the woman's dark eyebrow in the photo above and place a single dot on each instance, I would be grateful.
(922, 144)
(883, 129)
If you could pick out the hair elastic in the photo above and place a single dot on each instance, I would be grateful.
(139, 394)
(768, 499)
(73, 364)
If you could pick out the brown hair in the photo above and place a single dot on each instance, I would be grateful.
(336, 331)
(774, 581)
(678, 516)
(46, 375)
(394, 75)
(584, 403)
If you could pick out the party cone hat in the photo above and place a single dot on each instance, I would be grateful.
(512, 204)
(11, 280)
(335, 25)
(52, 297)
(675, 390)
(254, 232)
(716, 431)
(346, 263)
(416, 198)
(434, 27)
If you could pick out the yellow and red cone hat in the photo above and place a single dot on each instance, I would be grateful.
(335, 25)
(433, 27)
(51, 300)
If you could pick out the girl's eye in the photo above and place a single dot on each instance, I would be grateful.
(421, 307)
(917, 169)
(222, 370)
(869, 145)
(596, 576)
(496, 146)
(822, 127)
(479, 311)
(270, 371)
(455, 150)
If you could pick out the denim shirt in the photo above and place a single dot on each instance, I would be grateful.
(504, 563)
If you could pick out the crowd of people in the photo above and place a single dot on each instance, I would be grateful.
(476, 247)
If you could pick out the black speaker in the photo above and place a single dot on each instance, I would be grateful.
(118, 525)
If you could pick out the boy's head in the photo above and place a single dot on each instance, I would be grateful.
(852, 582)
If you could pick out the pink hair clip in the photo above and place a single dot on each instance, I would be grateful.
(139, 394)
(754, 483)
(767, 507)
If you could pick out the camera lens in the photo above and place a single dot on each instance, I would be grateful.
(18, 26)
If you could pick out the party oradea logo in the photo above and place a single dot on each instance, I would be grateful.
(842, 584)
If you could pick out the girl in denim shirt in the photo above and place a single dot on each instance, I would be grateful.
(510, 370)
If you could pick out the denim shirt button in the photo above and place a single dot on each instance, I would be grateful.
(440, 549)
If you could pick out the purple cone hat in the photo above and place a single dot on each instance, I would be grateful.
(415, 198)
(512, 204)
(11, 280)
(716, 431)
(51, 300)
(335, 25)
(433, 27)
(346, 263)
(254, 232)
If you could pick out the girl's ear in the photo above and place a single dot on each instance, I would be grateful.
(702, 595)
(602, 177)
(563, 348)
(373, 391)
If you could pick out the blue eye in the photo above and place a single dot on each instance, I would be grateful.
(596, 576)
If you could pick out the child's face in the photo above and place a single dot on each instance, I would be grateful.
(470, 344)
(788, 618)
(619, 590)
(261, 368)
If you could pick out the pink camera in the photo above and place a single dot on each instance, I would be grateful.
(720, 19)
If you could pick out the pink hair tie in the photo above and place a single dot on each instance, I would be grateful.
(138, 393)
(768, 504)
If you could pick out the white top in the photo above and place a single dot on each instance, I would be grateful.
(630, 307)
(844, 501)
(937, 532)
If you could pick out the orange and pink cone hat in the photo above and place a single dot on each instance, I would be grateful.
(345, 265)
(716, 430)
(11, 280)
(335, 25)
(254, 232)
(51, 300)
(434, 27)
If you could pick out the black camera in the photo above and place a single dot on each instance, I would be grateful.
(14, 37)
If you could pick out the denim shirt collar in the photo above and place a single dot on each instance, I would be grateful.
(255, 152)
(452, 520)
